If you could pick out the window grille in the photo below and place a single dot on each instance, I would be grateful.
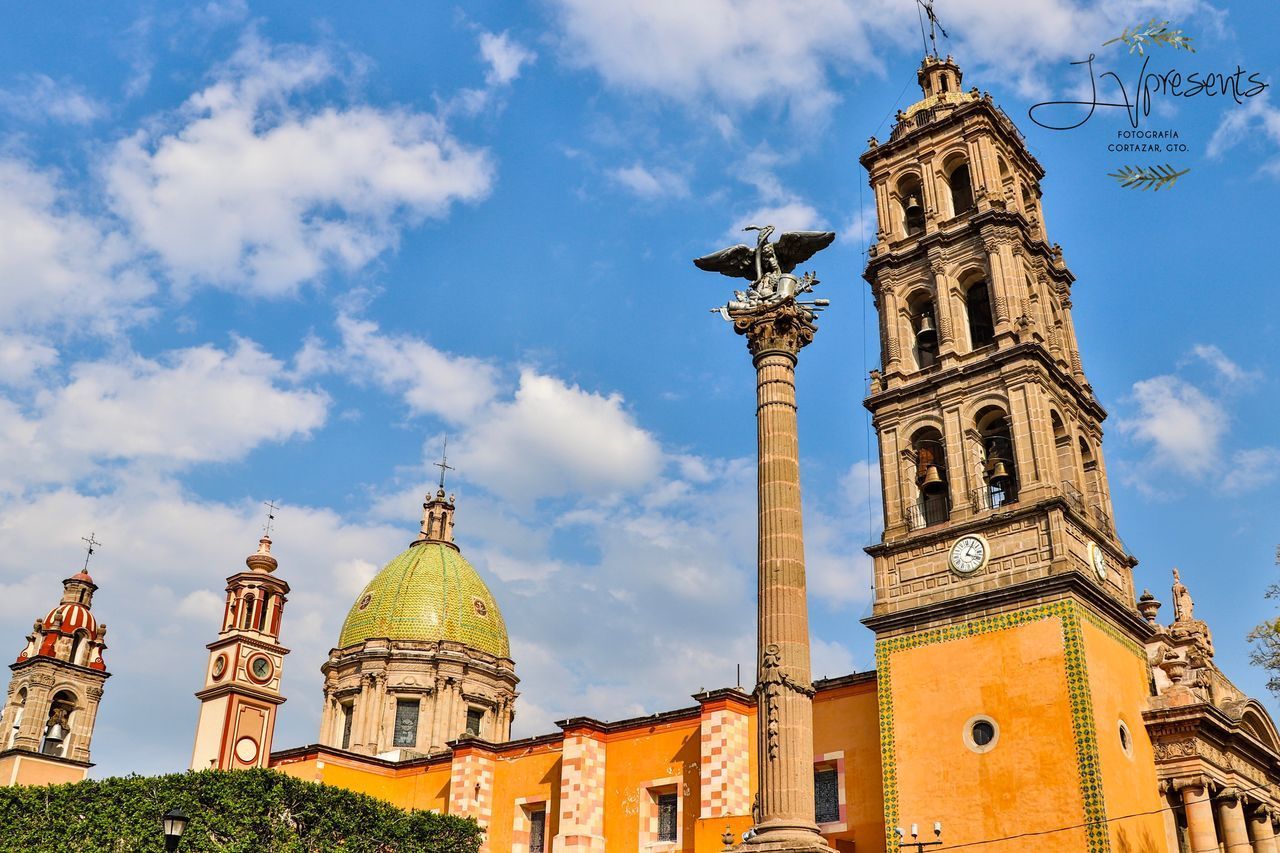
(667, 824)
(474, 716)
(826, 795)
(346, 725)
(537, 831)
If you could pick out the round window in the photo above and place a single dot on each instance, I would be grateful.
(260, 668)
(219, 666)
(480, 608)
(981, 733)
(364, 602)
(1126, 739)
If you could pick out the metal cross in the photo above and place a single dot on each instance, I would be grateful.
(443, 464)
(935, 26)
(271, 517)
(92, 542)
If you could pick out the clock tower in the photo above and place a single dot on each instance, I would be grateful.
(242, 682)
(1008, 644)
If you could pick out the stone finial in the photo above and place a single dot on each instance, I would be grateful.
(1173, 666)
(261, 560)
(1148, 606)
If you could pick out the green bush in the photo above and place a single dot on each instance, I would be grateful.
(230, 811)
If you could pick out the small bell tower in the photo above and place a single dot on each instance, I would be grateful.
(242, 682)
(49, 714)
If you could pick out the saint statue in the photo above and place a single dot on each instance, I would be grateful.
(1182, 603)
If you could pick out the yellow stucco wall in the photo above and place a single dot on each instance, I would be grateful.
(637, 760)
(1118, 680)
(26, 769)
(1029, 781)
(846, 720)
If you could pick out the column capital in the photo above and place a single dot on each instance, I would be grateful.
(784, 328)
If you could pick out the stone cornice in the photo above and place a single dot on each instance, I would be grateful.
(953, 117)
(241, 688)
(55, 663)
(54, 759)
(1037, 591)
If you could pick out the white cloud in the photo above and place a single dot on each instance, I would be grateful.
(58, 267)
(1224, 366)
(194, 405)
(504, 57)
(746, 53)
(251, 191)
(1257, 122)
(1251, 469)
(1184, 425)
(432, 382)
(21, 358)
(37, 97)
(792, 216)
(651, 183)
(556, 439)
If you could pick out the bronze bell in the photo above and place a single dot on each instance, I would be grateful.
(931, 482)
(913, 207)
(927, 334)
(999, 472)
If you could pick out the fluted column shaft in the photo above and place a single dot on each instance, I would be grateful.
(783, 691)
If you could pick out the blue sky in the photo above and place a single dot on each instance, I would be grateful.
(281, 250)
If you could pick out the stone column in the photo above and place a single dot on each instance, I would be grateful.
(1195, 798)
(1261, 833)
(783, 692)
(1235, 835)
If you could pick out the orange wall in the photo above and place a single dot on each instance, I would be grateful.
(634, 760)
(531, 775)
(31, 770)
(847, 719)
(1029, 781)
(1118, 679)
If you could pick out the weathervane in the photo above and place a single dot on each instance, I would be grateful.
(934, 24)
(92, 542)
(271, 517)
(443, 464)
(768, 267)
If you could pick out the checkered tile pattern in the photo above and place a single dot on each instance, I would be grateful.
(726, 764)
(581, 795)
(471, 788)
(648, 799)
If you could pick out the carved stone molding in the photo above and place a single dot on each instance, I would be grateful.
(785, 328)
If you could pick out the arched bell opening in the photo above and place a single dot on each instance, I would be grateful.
(1093, 483)
(80, 648)
(933, 494)
(910, 199)
(959, 182)
(999, 471)
(977, 304)
(56, 737)
(17, 707)
(924, 329)
(1062, 449)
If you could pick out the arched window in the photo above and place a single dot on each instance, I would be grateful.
(999, 471)
(1092, 483)
(1062, 446)
(911, 201)
(977, 304)
(933, 502)
(960, 184)
(80, 648)
(261, 620)
(924, 329)
(19, 707)
(246, 615)
(56, 737)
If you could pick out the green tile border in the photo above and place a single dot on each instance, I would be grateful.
(1082, 718)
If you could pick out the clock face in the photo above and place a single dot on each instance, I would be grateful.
(1098, 560)
(969, 554)
(246, 750)
(260, 667)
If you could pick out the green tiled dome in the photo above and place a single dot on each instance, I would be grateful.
(430, 592)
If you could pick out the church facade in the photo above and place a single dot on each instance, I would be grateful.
(1025, 695)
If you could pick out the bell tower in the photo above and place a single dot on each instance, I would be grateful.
(242, 682)
(1008, 641)
(48, 717)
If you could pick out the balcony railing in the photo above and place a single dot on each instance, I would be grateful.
(993, 497)
(927, 512)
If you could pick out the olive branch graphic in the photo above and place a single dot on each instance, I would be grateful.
(1154, 32)
(1147, 178)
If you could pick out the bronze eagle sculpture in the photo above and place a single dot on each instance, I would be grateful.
(755, 264)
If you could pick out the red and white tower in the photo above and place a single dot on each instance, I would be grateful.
(242, 682)
(53, 698)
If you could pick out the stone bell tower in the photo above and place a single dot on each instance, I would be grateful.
(242, 682)
(48, 718)
(1008, 641)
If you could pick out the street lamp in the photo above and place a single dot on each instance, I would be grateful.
(915, 837)
(174, 822)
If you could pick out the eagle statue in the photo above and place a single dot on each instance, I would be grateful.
(766, 260)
